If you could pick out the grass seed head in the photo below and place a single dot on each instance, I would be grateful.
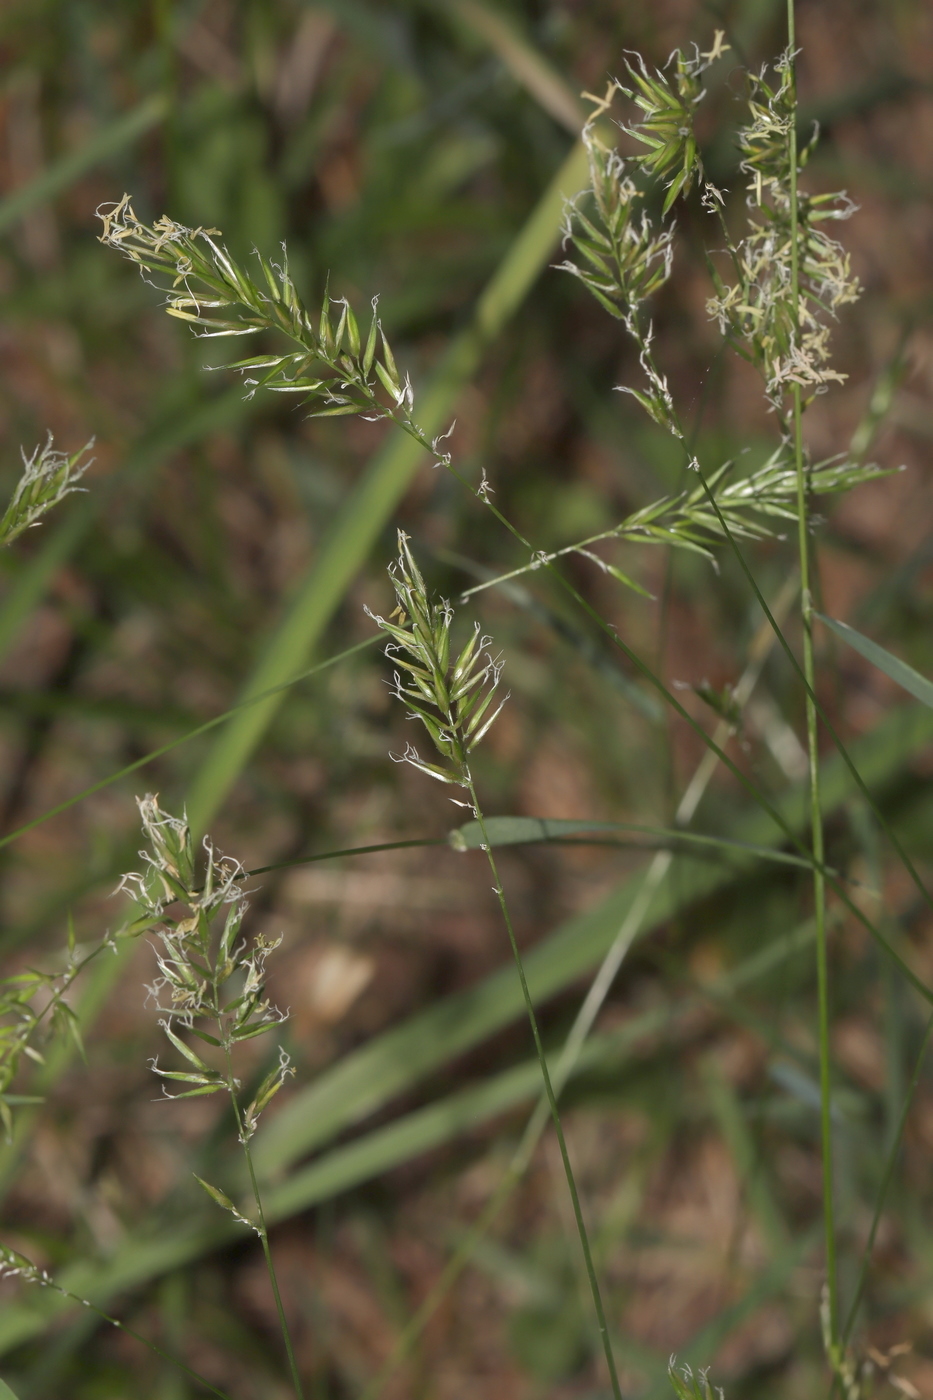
(453, 699)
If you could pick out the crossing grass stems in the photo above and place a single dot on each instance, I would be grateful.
(776, 290)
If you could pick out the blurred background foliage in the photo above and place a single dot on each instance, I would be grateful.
(402, 148)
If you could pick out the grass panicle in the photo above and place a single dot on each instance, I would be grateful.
(48, 477)
(335, 369)
(454, 698)
(668, 105)
(209, 975)
(779, 283)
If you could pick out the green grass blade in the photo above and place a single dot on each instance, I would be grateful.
(30, 583)
(522, 831)
(896, 670)
(113, 137)
(372, 502)
(5, 1392)
(429, 1127)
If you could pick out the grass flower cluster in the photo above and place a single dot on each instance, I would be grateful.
(777, 285)
(453, 699)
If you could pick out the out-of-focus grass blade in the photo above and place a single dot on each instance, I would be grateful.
(96, 985)
(523, 61)
(417, 1132)
(204, 728)
(113, 137)
(147, 1255)
(5, 1392)
(772, 1280)
(152, 447)
(896, 670)
(729, 1114)
(143, 1257)
(370, 505)
(371, 1076)
(400, 1058)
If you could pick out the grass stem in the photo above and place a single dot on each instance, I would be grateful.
(551, 1099)
(813, 758)
(263, 1232)
(883, 1189)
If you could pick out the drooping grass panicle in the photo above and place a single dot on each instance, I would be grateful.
(48, 477)
(207, 974)
(453, 698)
(625, 257)
(788, 340)
(336, 369)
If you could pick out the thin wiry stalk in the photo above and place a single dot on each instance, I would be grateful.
(813, 754)
(454, 698)
(15, 1265)
(552, 1104)
(883, 1189)
(583, 1022)
(262, 1230)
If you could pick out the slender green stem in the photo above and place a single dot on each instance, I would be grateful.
(712, 745)
(38, 1277)
(350, 851)
(573, 1045)
(261, 1229)
(551, 1097)
(883, 1188)
(813, 757)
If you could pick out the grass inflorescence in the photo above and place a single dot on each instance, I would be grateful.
(722, 1055)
